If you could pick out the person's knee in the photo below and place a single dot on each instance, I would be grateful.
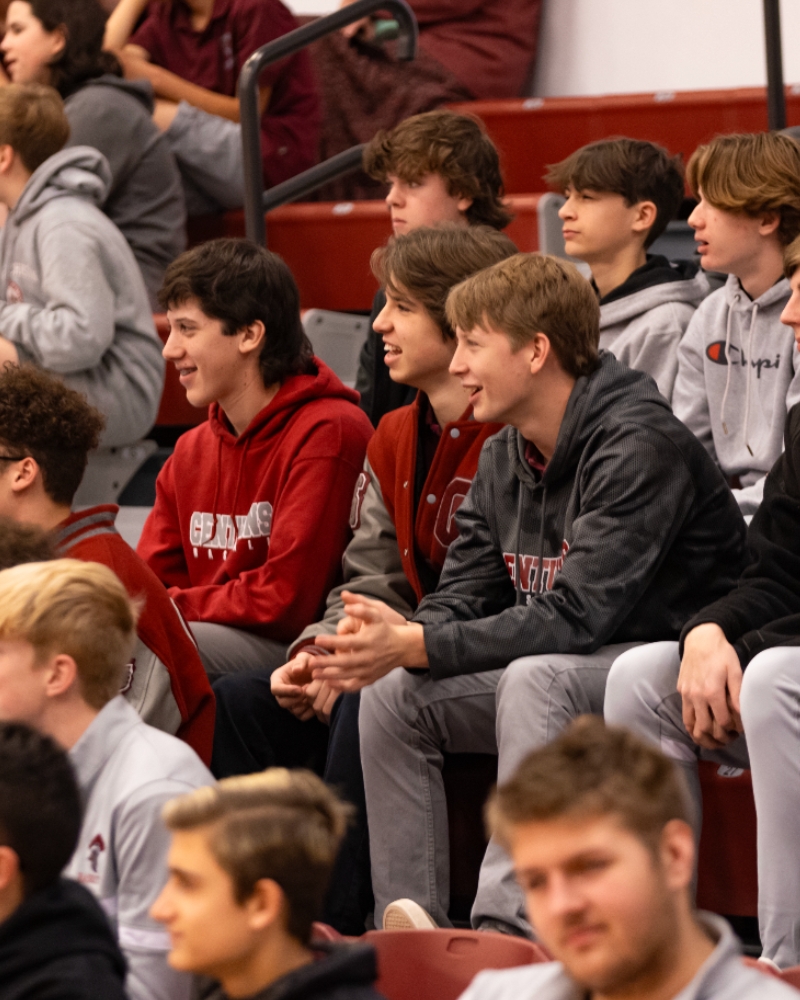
(638, 681)
(529, 676)
(386, 706)
(766, 685)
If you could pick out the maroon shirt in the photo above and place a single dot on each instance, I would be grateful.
(213, 59)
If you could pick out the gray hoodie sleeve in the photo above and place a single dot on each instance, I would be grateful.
(635, 494)
(75, 327)
(650, 344)
(371, 565)
(690, 395)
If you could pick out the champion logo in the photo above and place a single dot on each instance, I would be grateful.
(96, 848)
(717, 353)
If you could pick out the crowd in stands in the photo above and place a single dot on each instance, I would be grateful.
(558, 523)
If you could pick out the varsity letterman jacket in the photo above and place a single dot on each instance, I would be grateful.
(126, 772)
(165, 682)
(249, 530)
(397, 551)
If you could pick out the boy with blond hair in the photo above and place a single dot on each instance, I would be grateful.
(737, 366)
(621, 193)
(67, 629)
(595, 521)
(249, 864)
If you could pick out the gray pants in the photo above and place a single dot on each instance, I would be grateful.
(208, 149)
(408, 722)
(225, 650)
(642, 695)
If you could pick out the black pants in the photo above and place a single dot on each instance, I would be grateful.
(253, 732)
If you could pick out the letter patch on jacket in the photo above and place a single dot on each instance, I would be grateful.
(224, 531)
(529, 570)
(444, 530)
(362, 485)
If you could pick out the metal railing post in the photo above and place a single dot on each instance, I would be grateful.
(776, 98)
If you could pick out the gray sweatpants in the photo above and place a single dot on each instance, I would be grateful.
(208, 149)
(407, 723)
(642, 695)
(225, 650)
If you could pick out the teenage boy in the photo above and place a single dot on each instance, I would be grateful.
(46, 434)
(419, 465)
(252, 508)
(737, 366)
(67, 629)
(73, 298)
(737, 670)
(55, 941)
(595, 520)
(249, 864)
(621, 193)
(597, 825)
(441, 167)
(192, 52)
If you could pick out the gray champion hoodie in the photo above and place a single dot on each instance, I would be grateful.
(737, 378)
(73, 298)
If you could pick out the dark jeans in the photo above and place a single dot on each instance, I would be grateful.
(253, 733)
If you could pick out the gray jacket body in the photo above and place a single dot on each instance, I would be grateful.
(630, 530)
(738, 376)
(126, 772)
(145, 200)
(74, 298)
(644, 328)
(722, 976)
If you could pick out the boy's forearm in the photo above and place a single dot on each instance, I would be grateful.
(122, 21)
(412, 645)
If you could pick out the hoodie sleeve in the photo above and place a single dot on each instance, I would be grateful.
(690, 396)
(636, 491)
(764, 610)
(160, 544)
(75, 327)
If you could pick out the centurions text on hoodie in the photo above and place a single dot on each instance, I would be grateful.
(74, 298)
(737, 378)
(249, 531)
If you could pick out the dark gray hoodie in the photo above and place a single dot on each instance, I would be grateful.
(74, 301)
(630, 530)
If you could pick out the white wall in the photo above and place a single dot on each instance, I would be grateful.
(624, 46)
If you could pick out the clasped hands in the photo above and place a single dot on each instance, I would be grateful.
(710, 684)
(370, 640)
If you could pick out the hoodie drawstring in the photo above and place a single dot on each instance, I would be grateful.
(540, 582)
(749, 360)
(728, 362)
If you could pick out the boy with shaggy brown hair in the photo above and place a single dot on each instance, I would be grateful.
(441, 167)
(621, 193)
(738, 371)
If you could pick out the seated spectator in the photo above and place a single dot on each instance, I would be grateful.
(192, 52)
(418, 469)
(737, 366)
(55, 941)
(736, 672)
(441, 168)
(249, 864)
(67, 630)
(621, 193)
(46, 434)
(598, 826)
(59, 42)
(595, 521)
(252, 508)
(73, 299)
(475, 50)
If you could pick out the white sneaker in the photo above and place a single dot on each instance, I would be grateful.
(406, 915)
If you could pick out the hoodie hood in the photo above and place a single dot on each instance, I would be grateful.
(53, 926)
(656, 283)
(79, 171)
(141, 90)
(346, 971)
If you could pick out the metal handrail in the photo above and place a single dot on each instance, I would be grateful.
(281, 48)
(309, 180)
(776, 98)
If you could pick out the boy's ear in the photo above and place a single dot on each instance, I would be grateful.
(61, 674)
(251, 337)
(26, 474)
(464, 204)
(266, 906)
(7, 157)
(769, 222)
(539, 349)
(9, 867)
(646, 213)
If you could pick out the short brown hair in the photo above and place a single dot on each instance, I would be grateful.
(280, 825)
(791, 258)
(633, 168)
(452, 145)
(24, 543)
(428, 262)
(751, 173)
(43, 418)
(72, 607)
(528, 294)
(592, 770)
(32, 122)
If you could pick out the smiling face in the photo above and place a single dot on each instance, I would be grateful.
(728, 242)
(597, 225)
(425, 202)
(416, 352)
(599, 899)
(791, 312)
(28, 50)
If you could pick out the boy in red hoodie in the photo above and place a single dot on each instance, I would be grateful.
(252, 509)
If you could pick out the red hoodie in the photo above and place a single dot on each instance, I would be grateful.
(249, 531)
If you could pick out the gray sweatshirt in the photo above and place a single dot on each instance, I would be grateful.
(722, 976)
(74, 301)
(644, 327)
(738, 375)
(126, 772)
